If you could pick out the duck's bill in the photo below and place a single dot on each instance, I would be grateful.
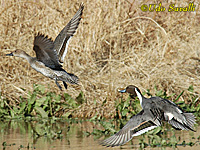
(11, 54)
(123, 91)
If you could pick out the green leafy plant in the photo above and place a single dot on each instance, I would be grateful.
(40, 103)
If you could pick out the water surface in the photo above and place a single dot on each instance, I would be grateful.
(75, 135)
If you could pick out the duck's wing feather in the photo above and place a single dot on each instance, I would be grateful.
(45, 52)
(62, 40)
(175, 116)
(137, 125)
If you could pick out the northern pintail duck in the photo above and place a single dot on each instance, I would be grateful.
(154, 110)
(50, 54)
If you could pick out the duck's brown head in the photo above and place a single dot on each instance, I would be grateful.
(131, 89)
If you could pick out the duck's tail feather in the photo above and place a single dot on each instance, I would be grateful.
(187, 125)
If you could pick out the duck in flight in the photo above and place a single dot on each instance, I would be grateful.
(50, 54)
(154, 111)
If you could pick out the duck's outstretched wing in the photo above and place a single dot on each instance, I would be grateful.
(137, 125)
(62, 40)
(45, 52)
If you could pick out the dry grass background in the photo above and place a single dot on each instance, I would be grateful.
(115, 45)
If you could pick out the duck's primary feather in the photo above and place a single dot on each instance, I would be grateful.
(62, 40)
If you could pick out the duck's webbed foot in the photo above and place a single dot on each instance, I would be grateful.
(65, 84)
(59, 86)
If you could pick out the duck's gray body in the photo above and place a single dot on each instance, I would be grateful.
(50, 54)
(169, 111)
(155, 110)
(57, 75)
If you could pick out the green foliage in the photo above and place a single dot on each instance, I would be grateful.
(40, 103)
(163, 94)
(125, 109)
(80, 98)
(108, 126)
(193, 104)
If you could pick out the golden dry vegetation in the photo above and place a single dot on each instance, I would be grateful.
(116, 44)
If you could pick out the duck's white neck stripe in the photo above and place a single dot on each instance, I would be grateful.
(139, 96)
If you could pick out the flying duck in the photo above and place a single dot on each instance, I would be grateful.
(50, 54)
(154, 111)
